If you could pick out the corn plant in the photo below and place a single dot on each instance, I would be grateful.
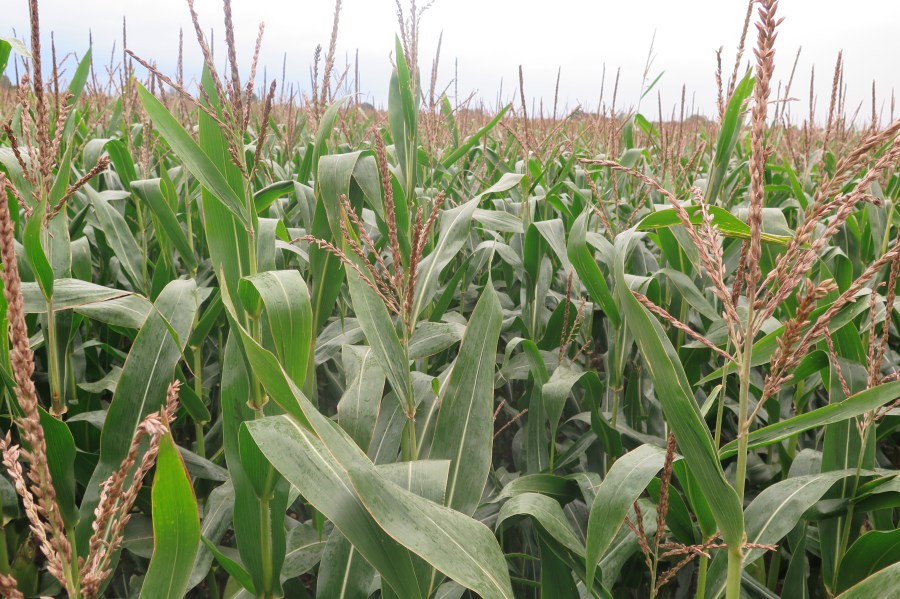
(273, 343)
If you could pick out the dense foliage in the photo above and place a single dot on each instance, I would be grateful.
(265, 347)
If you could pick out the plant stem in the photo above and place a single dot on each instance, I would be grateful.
(701, 578)
(410, 449)
(848, 522)
(733, 584)
(615, 374)
(143, 229)
(265, 531)
(774, 570)
(743, 426)
(198, 389)
(57, 398)
(212, 585)
(735, 554)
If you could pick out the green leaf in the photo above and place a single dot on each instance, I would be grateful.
(264, 198)
(727, 223)
(150, 191)
(105, 304)
(855, 405)
(119, 238)
(773, 514)
(258, 526)
(176, 526)
(305, 461)
(546, 512)
(452, 236)
(217, 513)
(873, 551)
(582, 259)
(141, 389)
(34, 250)
(326, 126)
(378, 326)
(454, 230)
(234, 569)
(556, 391)
(678, 404)
(467, 145)
(288, 313)
(338, 479)
(431, 338)
(729, 134)
(624, 483)
(883, 583)
(61, 461)
(227, 237)
(343, 572)
(193, 156)
(358, 408)
(464, 429)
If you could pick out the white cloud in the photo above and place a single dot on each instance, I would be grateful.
(489, 39)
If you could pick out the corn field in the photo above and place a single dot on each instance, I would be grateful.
(265, 343)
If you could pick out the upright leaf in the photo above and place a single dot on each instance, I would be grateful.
(465, 428)
(176, 526)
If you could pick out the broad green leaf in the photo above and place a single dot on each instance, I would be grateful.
(624, 483)
(119, 238)
(728, 137)
(34, 250)
(150, 191)
(176, 526)
(679, 406)
(258, 526)
(467, 145)
(378, 326)
(582, 259)
(431, 338)
(343, 572)
(547, 513)
(464, 429)
(881, 584)
(773, 514)
(727, 223)
(304, 550)
(358, 407)
(216, 521)
(227, 237)
(454, 229)
(326, 126)
(338, 479)
(234, 569)
(141, 389)
(336, 174)
(460, 547)
(305, 461)
(61, 461)
(285, 297)
(556, 391)
(871, 552)
(105, 304)
(557, 487)
(453, 232)
(266, 196)
(855, 405)
(193, 156)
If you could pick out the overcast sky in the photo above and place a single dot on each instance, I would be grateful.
(489, 39)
